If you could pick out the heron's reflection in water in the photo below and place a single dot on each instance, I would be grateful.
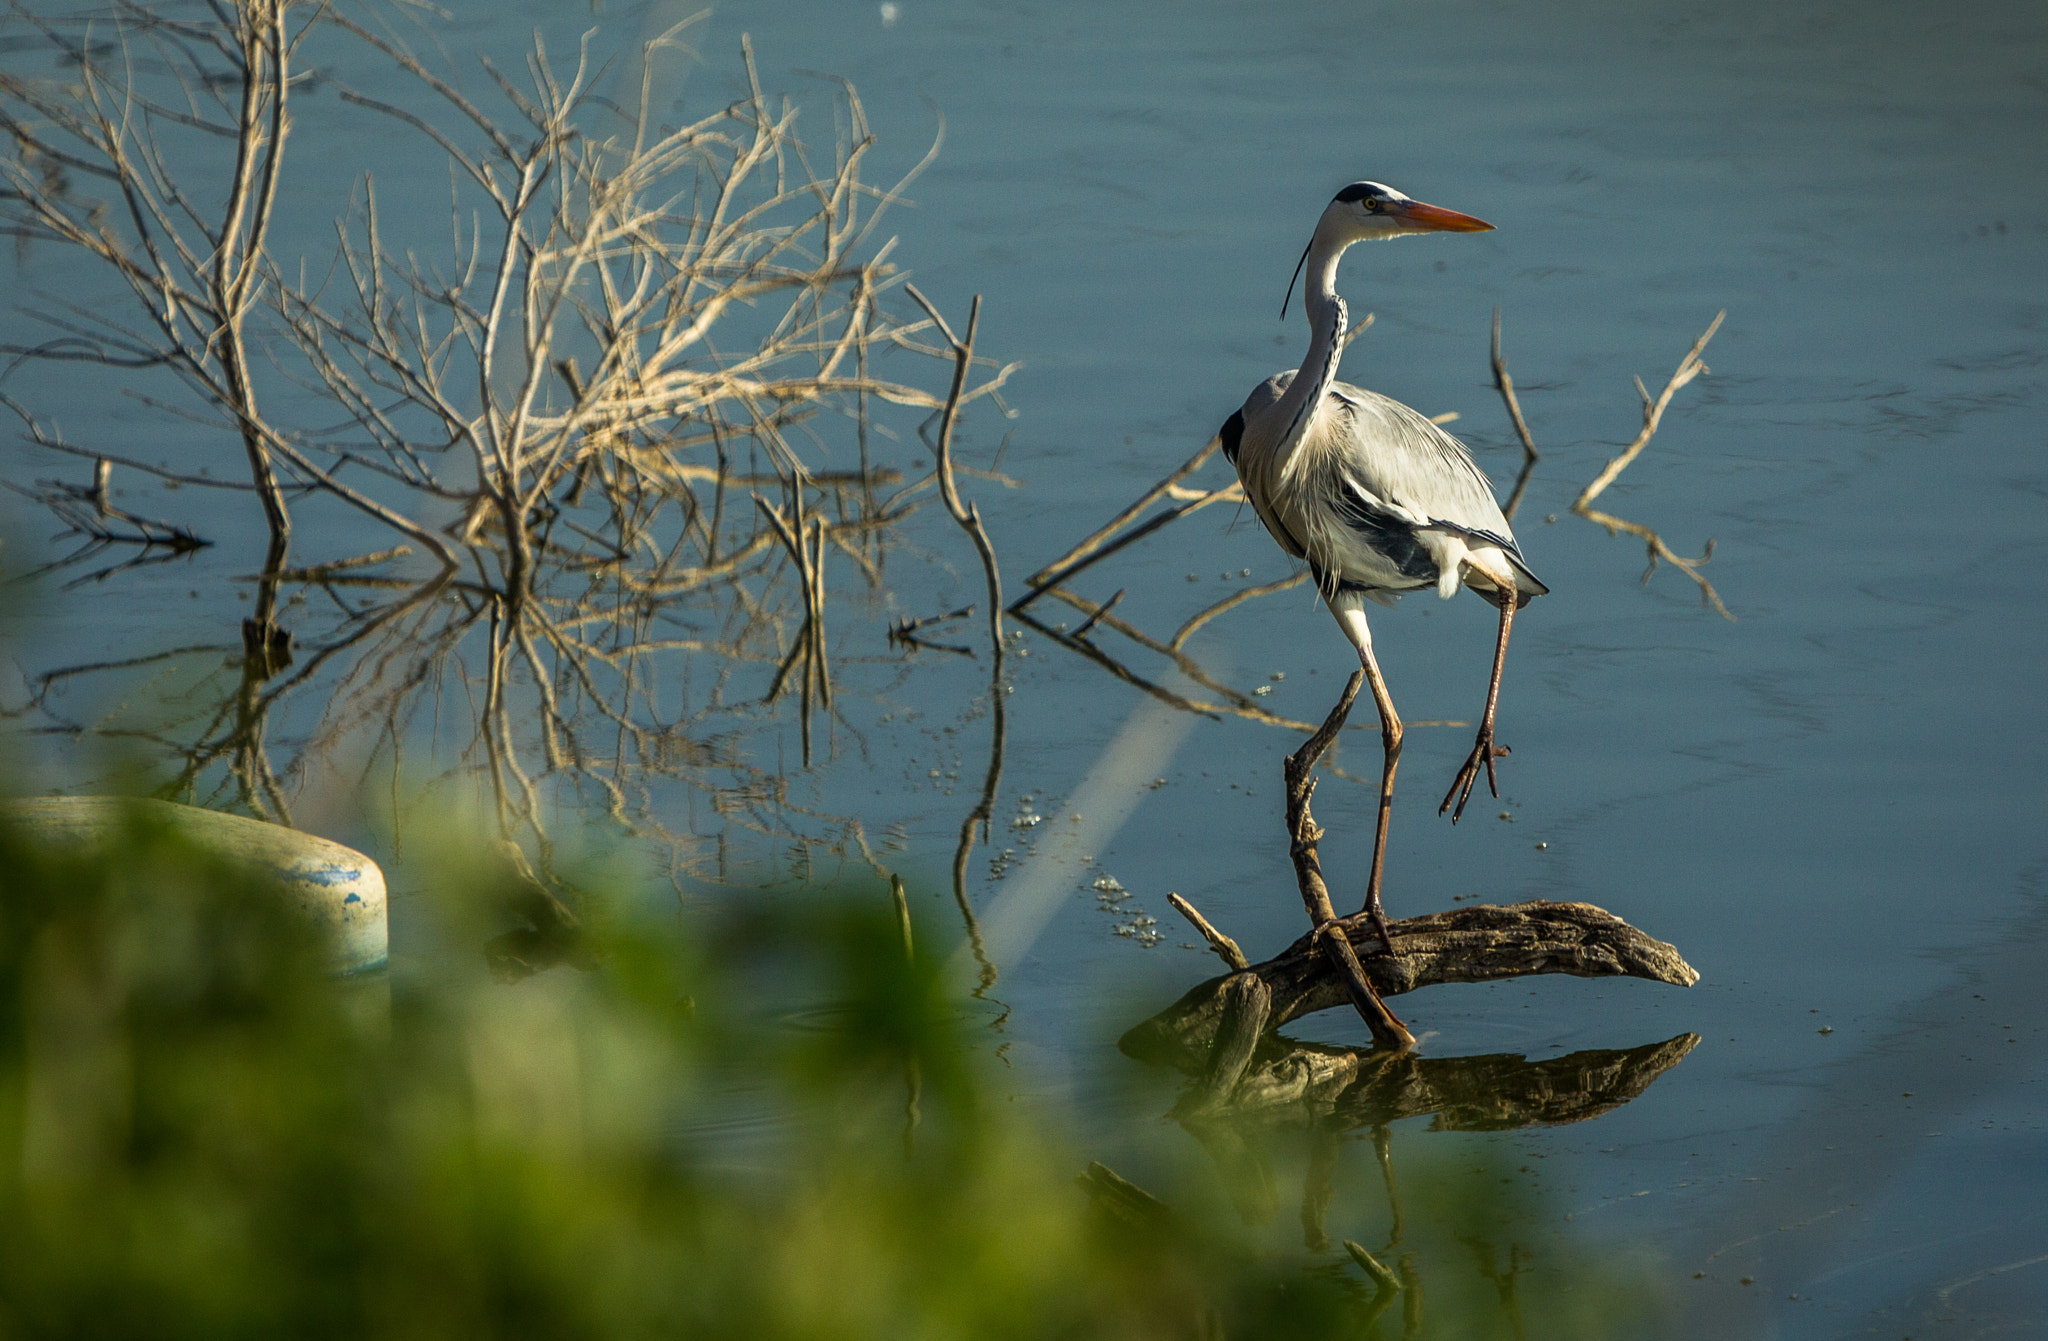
(1333, 1095)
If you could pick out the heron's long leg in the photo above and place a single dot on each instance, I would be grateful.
(1483, 750)
(1390, 742)
(1350, 616)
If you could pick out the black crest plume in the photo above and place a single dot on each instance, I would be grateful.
(1286, 297)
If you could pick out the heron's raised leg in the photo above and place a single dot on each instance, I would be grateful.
(1484, 751)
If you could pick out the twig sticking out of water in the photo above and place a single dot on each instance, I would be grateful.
(1226, 949)
(89, 511)
(1092, 551)
(907, 626)
(901, 899)
(1100, 611)
(1123, 1198)
(1056, 571)
(905, 631)
(965, 513)
(1231, 602)
(969, 518)
(1689, 367)
(1381, 1276)
(1505, 384)
(320, 572)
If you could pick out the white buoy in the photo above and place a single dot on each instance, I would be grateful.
(338, 889)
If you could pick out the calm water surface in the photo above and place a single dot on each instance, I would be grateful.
(1833, 805)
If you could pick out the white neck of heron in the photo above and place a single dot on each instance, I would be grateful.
(1327, 319)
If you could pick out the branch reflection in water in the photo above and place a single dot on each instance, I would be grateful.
(593, 673)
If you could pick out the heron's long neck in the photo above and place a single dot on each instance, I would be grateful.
(1326, 322)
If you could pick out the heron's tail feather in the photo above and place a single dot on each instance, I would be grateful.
(1527, 583)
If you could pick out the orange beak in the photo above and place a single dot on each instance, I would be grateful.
(1420, 215)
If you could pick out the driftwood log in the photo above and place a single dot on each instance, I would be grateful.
(1473, 944)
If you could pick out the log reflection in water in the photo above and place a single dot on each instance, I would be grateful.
(1289, 1081)
(1329, 1093)
(1332, 1092)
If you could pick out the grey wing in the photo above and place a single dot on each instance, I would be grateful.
(1399, 468)
(1232, 433)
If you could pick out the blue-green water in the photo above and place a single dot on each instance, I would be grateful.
(1832, 805)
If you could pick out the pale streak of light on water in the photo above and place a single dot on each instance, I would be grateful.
(1087, 823)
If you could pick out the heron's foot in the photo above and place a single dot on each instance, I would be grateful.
(1484, 751)
(1378, 917)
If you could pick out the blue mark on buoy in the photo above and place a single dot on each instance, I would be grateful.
(321, 875)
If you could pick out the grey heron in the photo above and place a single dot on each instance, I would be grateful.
(1375, 497)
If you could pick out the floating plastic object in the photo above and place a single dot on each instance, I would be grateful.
(337, 889)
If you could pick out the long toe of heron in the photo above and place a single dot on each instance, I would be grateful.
(1484, 751)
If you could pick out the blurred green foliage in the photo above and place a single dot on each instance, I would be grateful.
(203, 1135)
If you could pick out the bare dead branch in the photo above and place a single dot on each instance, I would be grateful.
(1044, 576)
(1688, 368)
(1505, 385)
(1231, 602)
(966, 514)
(1226, 949)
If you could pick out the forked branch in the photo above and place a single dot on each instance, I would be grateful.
(1688, 368)
(965, 513)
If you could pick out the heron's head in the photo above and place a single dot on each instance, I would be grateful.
(1368, 211)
